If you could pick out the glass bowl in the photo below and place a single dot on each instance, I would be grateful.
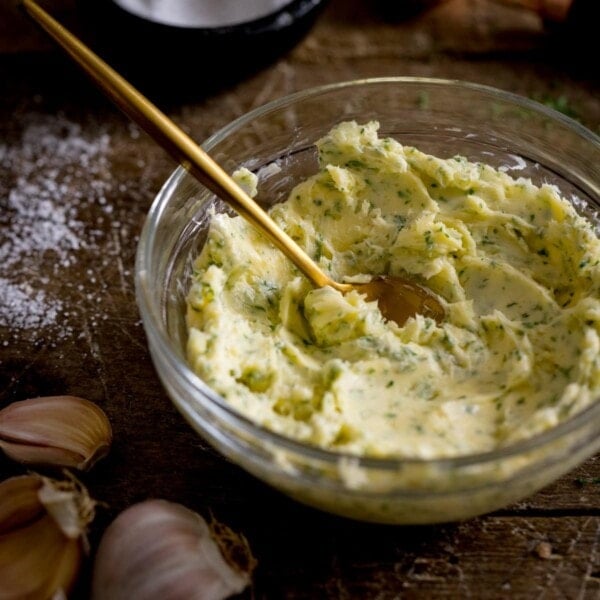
(437, 116)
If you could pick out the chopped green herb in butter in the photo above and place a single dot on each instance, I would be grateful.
(516, 266)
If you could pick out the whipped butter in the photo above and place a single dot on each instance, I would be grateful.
(514, 264)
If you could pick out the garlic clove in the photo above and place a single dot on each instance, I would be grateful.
(37, 561)
(161, 550)
(65, 431)
(19, 502)
(42, 536)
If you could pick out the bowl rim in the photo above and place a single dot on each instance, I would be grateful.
(270, 438)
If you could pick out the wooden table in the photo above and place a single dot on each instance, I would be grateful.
(76, 180)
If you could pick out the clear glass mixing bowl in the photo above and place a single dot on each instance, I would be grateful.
(441, 117)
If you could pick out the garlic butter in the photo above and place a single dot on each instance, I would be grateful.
(517, 269)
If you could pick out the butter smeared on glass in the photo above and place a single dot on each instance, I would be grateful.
(518, 353)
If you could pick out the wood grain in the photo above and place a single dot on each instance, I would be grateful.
(96, 348)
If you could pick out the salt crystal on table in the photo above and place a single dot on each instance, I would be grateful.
(57, 171)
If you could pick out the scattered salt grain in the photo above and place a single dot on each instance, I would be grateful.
(24, 307)
(57, 177)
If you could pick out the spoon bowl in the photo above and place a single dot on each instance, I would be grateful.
(411, 298)
(398, 299)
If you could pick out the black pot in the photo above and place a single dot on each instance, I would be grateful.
(171, 60)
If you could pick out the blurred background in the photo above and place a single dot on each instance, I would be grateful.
(147, 39)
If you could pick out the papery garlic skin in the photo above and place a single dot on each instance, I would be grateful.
(41, 549)
(65, 431)
(158, 550)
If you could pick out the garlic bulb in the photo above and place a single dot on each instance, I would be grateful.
(64, 431)
(158, 550)
(42, 536)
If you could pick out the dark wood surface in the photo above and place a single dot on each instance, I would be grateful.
(76, 180)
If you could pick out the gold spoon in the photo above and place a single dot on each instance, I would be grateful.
(397, 298)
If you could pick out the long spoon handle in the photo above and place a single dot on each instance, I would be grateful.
(176, 142)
